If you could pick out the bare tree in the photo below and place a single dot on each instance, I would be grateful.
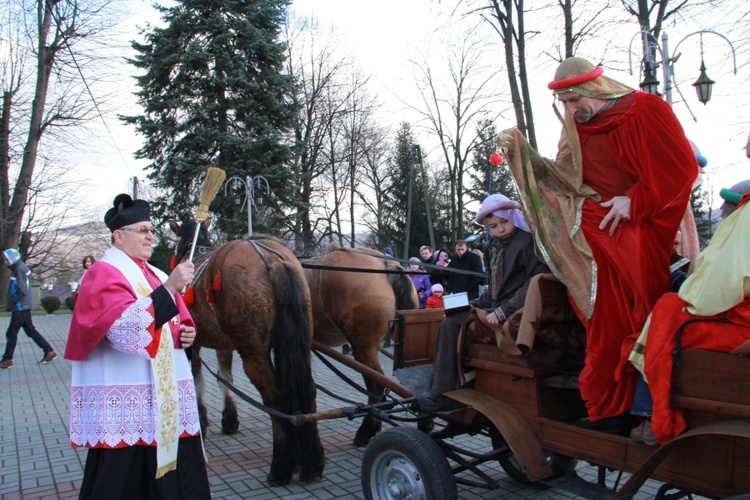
(316, 65)
(507, 19)
(358, 134)
(452, 111)
(374, 187)
(43, 92)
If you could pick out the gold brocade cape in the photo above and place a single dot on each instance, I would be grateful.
(552, 196)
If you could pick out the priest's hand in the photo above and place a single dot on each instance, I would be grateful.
(187, 336)
(181, 276)
(620, 212)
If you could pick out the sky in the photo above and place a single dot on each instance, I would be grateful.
(382, 36)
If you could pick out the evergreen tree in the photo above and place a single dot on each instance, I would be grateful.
(213, 94)
(403, 168)
(486, 178)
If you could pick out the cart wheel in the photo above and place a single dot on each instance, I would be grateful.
(560, 464)
(406, 463)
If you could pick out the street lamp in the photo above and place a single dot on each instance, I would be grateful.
(649, 84)
(703, 85)
(252, 185)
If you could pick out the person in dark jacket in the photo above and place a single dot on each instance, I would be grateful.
(511, 263)
(19, 303)
(464, 260)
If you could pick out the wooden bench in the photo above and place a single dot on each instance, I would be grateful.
(711, 385)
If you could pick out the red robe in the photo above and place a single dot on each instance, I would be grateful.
(636, 148)
(668, 422)
(105, 295)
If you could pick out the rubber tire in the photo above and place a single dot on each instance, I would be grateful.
(403, 462)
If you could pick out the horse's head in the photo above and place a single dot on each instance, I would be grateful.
(186, 231)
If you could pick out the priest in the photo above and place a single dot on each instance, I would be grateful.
(133, 399)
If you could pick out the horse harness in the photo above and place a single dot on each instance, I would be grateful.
(204, 253)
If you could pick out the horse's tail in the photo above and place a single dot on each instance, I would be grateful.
(295, 387)
(403, 289)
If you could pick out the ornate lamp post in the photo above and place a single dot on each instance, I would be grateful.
(703, 85)
(252, 186)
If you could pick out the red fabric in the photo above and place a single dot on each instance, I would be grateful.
(576, 80)
(189, 296)
(434, 302)
(636, 148)
(103, 297)
(123, 444)
(668, 422)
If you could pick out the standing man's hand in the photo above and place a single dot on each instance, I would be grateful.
(187, 336)
(620, 211)
(181, 276)
(507, 142)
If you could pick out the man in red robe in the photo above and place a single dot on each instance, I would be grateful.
(605, 215)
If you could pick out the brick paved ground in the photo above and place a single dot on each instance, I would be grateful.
(36, 460)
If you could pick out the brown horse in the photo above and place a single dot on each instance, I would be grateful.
(251, 296)
(354, 307)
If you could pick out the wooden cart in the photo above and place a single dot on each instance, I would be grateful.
(531, 409)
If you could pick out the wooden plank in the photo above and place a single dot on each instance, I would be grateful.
(519, 392)
(415, 336)
(713, 465)
(713, 376)
(726, 410)
(514, 428)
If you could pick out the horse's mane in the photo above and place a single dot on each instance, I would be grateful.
(187, 231)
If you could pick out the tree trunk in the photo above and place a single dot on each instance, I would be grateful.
(11, 232)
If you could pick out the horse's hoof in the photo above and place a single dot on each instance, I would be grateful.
(360, 442)
(274, 481)
(230, 428)
(312, 479)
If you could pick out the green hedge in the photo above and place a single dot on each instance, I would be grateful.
(50, 304)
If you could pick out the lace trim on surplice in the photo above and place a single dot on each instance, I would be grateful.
(111, 416)
(130, 333)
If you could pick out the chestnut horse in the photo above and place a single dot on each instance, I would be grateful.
(252, 296)
(354, 307)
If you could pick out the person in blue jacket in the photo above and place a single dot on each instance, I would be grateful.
(19, 303)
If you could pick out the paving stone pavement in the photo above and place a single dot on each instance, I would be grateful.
(37, 461)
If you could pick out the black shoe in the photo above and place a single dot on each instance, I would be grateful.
(346, 349)
(439, 404)
(620, 424)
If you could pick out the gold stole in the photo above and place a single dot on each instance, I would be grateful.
(162, 368)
